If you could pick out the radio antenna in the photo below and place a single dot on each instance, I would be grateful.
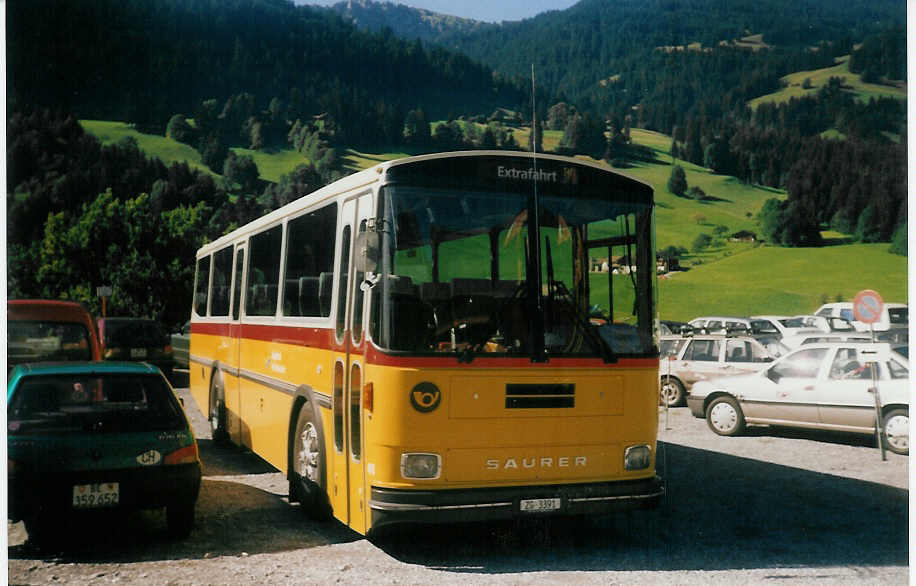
(537, 341)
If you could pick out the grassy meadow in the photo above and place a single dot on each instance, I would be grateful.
(819, 77)
(728, 277)
(153, 145)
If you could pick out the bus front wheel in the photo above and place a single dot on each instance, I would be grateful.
(308, 483)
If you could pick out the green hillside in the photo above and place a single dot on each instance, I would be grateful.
(774, 280)
(154, 145)
(795, 86)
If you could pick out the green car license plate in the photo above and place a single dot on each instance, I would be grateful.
(91, 496)
(138, 352)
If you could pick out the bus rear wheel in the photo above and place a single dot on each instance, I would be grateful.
(308, 483)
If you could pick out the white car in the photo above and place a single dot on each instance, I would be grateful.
(720, 325)
(893, 316)
(686, 360)
(816, 337)
(818, 386)
(785, 325)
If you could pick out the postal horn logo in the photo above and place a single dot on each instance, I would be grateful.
(425, 397)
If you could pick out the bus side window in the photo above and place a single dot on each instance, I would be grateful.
(342, 282)
(309, 254)
(202, 286)
(264, 272)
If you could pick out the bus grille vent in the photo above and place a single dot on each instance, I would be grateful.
(540, 396)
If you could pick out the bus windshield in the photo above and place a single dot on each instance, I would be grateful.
(458, 275)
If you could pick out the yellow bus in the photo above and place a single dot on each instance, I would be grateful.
(440, 338)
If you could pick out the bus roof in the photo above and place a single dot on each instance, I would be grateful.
(376, 174)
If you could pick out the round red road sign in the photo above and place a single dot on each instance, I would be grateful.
(867, 306)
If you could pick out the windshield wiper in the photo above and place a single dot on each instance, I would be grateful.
(582, 323)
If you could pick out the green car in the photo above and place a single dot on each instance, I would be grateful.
(87, 436)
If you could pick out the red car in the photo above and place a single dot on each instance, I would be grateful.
(42, 330)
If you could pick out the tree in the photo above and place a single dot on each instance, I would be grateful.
(702, 242)
(696, 192)
(899, 240)
(179, 129)
(213, 152)
(416, 128)
(558, 115)
(866, 227)
(241, 171)
(677, 181)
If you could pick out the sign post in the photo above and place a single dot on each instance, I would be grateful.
(866, 308)
(104, 292)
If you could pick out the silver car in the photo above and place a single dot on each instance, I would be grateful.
(818, 386)
(686, 360)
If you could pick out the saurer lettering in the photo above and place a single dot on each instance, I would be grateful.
(529, 463)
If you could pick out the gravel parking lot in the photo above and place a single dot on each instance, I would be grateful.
(774, 506)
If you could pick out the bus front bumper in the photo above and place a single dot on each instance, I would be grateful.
(392, 506)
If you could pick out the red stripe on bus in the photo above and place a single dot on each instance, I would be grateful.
(325, 339)
(295, 335)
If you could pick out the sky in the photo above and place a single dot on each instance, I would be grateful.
(486, 10)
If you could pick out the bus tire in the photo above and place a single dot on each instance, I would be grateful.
(308, 477)
(217, 412)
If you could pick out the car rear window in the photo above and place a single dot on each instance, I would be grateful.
(899, 315)
(134, 334)
(36, 341)
(93, 403)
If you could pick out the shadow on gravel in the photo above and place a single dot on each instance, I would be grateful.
(721, 512)
(242, 509)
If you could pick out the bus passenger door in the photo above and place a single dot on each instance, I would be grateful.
(359, 486)
(347, 488)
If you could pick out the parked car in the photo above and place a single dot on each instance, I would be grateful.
(893, 316)
(686, 360)
(83, 437)
(720, 325)
(669, 327)
(825, 323)
(181, 345)
(132, 338)
(818, 386)
(796, 340)
(785, 325)
(49, 330)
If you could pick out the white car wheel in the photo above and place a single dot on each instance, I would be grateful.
(897, 431)
(724, 416)
(672, 392)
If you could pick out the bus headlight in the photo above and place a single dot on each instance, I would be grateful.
(420, 465)
(637, 457)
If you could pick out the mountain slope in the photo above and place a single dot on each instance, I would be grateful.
(144, 60)
(407, 22)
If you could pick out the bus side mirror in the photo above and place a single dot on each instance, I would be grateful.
(368, 252)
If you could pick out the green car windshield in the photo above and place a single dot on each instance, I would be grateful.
(62, 404)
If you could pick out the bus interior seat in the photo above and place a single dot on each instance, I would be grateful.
(325, 288)
(307, 301)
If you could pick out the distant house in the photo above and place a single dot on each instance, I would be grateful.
(744, 236)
